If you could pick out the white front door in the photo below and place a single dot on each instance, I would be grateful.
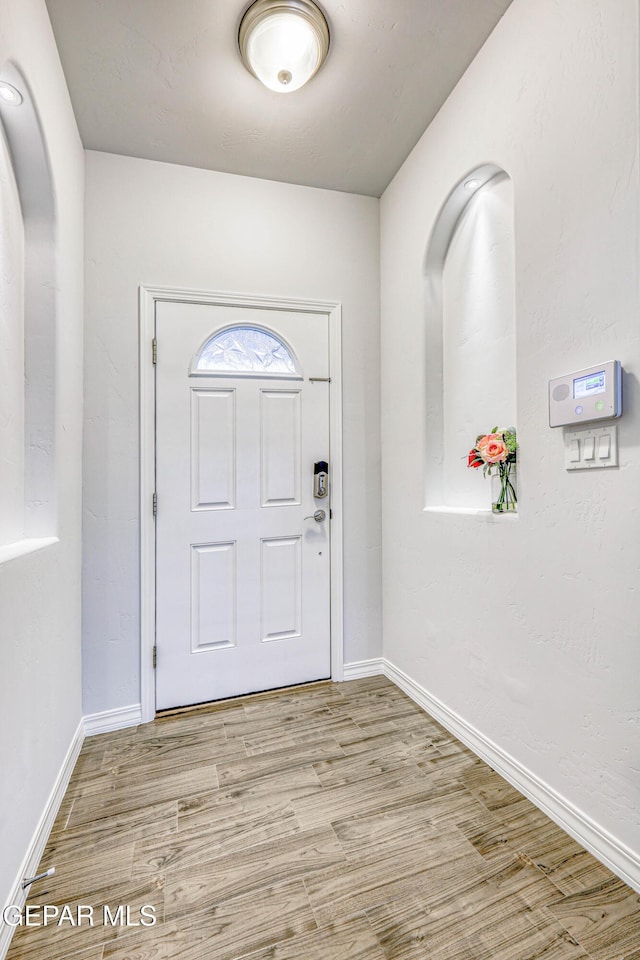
(242, 566)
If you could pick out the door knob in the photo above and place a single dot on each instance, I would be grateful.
(318, 516)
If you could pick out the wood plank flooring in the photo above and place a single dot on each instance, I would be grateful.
(330, 822)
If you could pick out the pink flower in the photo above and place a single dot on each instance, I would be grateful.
(492, 448)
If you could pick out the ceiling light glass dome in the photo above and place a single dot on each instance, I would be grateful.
(283, 42)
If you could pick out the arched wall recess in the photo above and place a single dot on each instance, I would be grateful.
(11, 353)
(470, 334)
(31, 166)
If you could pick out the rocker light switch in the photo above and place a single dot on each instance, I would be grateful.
(592, 447)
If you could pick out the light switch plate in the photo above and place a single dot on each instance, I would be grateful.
(575, 448)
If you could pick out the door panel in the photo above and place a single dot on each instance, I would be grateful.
(280, 442)
(213, 591)
(281, 588)
(242, 568)
(213, 449)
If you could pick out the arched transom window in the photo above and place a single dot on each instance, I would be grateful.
(246, 350)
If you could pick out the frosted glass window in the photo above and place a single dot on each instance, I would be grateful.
(246, 350)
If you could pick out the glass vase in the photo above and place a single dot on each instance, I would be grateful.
(504, 489)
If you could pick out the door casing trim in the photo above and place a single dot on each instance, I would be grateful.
(148, 297)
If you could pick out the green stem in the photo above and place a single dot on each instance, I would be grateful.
(507, 496)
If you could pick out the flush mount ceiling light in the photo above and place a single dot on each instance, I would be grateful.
(9, 94)
(283, 42)
(472, 184)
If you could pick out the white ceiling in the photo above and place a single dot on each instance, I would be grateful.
(162, 79)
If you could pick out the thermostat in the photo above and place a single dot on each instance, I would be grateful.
(591, 394)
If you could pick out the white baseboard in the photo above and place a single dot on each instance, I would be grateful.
(363, 668)
(617, 856)
(35, 849)
(88, 726)
(116, 719)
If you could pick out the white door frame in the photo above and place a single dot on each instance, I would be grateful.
(148, 297)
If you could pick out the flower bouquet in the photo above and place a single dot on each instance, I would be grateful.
(496, 451)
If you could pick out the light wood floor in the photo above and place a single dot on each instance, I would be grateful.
(332, 822)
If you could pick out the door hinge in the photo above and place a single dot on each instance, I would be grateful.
(155, 657)
(154, 504)
(154, 350)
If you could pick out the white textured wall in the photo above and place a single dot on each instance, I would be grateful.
(40, 695)
(529, 629)
(154, 223)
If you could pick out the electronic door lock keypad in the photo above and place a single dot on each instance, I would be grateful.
(320, 479)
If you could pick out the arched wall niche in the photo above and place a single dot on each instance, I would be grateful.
(470, 373)
(28, 153)
(11, 353)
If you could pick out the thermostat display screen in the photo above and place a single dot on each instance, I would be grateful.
(590, 385)
(593, 393)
